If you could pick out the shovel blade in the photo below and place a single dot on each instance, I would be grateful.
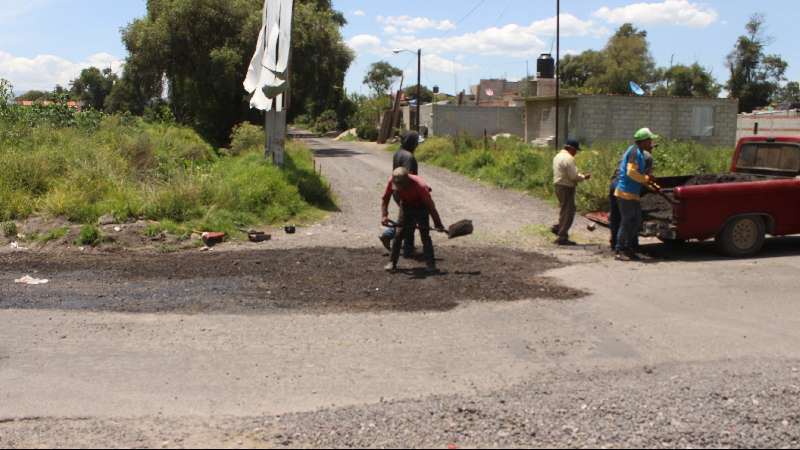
(461, 228)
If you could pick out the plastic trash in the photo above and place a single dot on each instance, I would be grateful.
(30, 281)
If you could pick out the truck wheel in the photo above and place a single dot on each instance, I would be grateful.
(743, 236)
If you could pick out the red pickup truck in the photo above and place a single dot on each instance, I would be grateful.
(760, 197)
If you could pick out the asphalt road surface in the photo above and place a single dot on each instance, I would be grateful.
(534, 347)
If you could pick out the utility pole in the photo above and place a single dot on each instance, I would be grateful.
(419, 88)
(558, 69)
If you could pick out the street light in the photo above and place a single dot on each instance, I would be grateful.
(419, 82)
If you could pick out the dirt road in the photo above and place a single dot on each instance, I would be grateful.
(321, 348)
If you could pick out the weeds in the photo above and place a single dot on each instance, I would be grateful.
(510, 163)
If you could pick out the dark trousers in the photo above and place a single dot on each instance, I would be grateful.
(614, 216)
(566, 199)
(408, 244)
(410, 220)
(630, 225)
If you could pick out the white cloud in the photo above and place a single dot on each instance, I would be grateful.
(43, 72)
(12, 9)
(366, 43)
(669, 12)
(510, 40)
(407, 24)
(359, 13)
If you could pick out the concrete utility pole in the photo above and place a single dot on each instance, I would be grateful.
(558, 70)
(419, 88)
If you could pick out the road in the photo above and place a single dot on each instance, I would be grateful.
(687, 349)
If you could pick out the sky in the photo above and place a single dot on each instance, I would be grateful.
(48, 42)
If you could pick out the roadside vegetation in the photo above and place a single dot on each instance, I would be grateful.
(510, 163)
(81, 166)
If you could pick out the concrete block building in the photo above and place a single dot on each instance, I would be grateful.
(596, 118)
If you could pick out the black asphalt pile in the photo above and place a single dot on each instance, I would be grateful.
(320, 280)
(656, 207)
(701, 180)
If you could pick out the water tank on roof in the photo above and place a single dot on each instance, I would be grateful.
(546, 66)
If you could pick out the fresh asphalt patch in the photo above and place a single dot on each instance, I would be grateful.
(316, 280)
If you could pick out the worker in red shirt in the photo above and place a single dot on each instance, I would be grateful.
(416, 209)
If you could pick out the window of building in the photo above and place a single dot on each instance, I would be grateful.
(703, 121)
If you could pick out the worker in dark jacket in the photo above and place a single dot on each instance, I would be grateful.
(416, 210)
(404, 157)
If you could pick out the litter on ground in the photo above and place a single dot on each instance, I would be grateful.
(30, 281)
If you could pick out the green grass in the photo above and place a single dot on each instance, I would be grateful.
(54, 235)
(160, 172)
(510, 163)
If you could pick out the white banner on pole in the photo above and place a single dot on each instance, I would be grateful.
(266, 76)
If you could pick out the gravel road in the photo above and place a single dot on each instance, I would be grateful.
(685, 350)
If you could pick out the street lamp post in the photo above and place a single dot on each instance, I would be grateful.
(419, 83)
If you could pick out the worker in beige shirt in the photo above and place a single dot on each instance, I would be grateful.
(566, 178)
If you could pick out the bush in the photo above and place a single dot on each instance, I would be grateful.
(133, 169)
(367, 133)
(247, 137)
(9, 229)
(326, 122)
(89, 235)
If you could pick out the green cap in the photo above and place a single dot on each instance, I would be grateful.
(644, 134)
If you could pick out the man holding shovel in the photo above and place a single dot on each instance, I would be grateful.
(416, 209)
(632, 181)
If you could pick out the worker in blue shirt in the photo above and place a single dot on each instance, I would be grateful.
(632, 181)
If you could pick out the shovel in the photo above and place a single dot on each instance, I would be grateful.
(456, 230)
(657, 189)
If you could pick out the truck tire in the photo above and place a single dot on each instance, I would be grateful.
(742, 236)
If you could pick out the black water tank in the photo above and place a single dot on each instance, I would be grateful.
(546, 66)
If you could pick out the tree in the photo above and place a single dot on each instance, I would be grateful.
(202, 48)
(789, 94)
(627, 58)
(425, 93)
(381, 76)
(755, 77)
(93, 86)
(689, 81)
(578, 70)
(34, 96)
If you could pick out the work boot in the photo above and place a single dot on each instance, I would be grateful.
(565, 243)
(431, 268)
(391, 267)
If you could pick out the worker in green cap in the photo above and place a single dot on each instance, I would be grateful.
(633, 179)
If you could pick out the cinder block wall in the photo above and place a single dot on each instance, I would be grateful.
(450, 120)
(604, 118)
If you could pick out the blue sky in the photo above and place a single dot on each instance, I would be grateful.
(44, 42)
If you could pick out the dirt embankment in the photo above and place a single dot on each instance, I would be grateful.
(315, 279)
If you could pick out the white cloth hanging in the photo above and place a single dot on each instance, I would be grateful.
(266, 75)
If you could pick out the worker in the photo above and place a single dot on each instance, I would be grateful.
(404, 157)
(566, 178)
(416, 210)
(632, 181)
(614, 216)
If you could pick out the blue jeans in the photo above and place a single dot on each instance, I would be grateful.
(630, 224)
